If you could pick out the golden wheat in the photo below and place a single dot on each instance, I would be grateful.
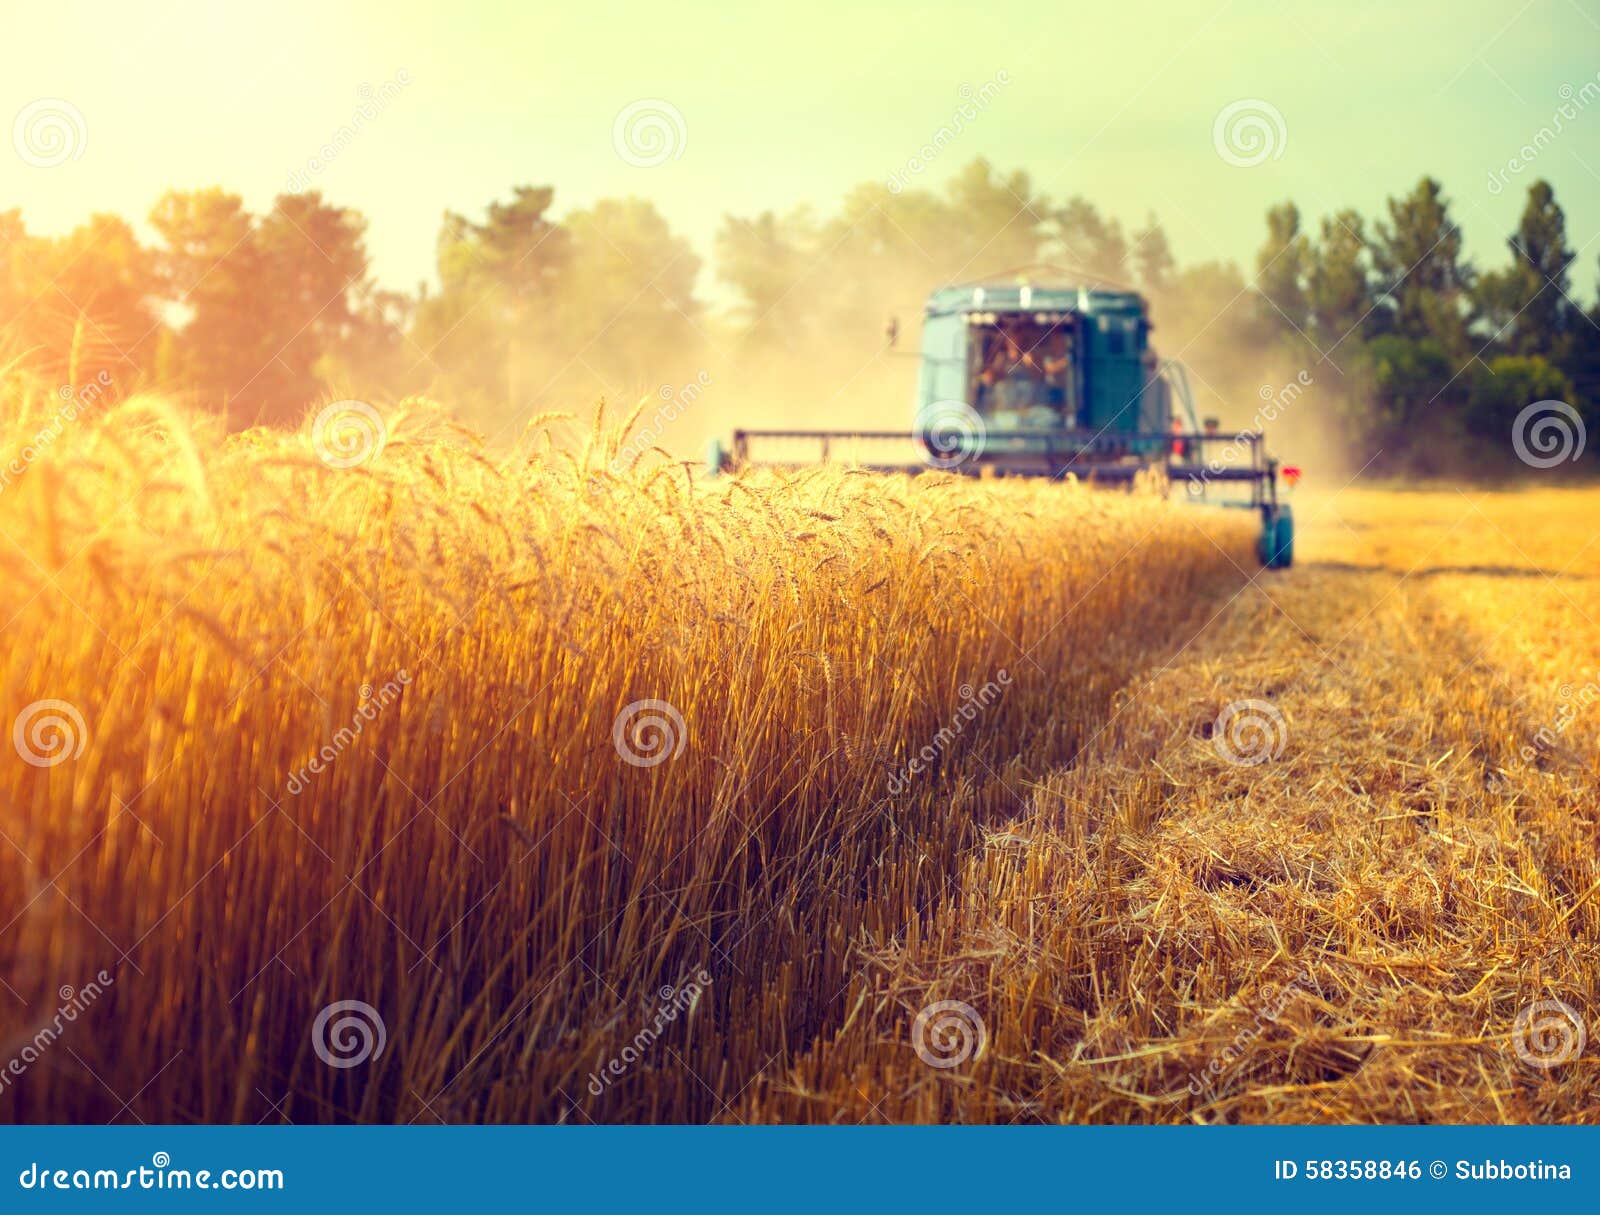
(387, 733)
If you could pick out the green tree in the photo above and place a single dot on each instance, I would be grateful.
(1582, 363)
(499, 284)
(1498, 392)
(1281, 271)
(1498, 296)
(1090, 242)
(628, 307)
(1339, 294)
(315, 259)
(261, 301)
(1152, 257)
(1417, 256)
(764, 260)
(79, 307)
(996, 221)
(1400, 403)
(210, 269)
(1527, 302)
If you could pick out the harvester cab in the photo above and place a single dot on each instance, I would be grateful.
(1046, 380)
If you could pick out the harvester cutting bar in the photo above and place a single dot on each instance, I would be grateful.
(1112, 456)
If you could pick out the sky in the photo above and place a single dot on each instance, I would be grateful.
(765, 107)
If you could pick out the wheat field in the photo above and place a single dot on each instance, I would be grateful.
(460, 768)
(410, 782)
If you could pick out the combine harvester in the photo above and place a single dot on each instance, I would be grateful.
(1020, 379)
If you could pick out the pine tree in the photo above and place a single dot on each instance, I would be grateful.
(1281, 271)
(1543, 324)
(1417, 255)
(1339, 281)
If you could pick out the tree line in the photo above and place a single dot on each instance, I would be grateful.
(1418, 358)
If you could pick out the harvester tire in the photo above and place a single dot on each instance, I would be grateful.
(1275, 546)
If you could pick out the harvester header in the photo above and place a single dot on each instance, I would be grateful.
(1045, 378)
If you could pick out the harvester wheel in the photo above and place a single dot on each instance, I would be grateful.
(1275, 546)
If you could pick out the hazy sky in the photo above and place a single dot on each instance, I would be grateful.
(1117, 102)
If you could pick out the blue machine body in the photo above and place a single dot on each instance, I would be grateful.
(1112, 381)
